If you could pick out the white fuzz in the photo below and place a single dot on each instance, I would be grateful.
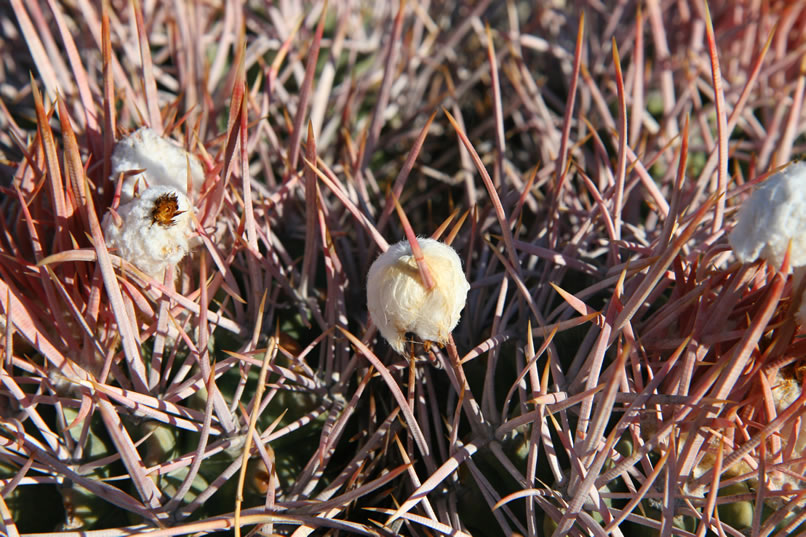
(772, 217)
(151, 235)
(785, 391)
(165, 163)
(398, 301)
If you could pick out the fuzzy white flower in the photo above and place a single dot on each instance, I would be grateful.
(165, 163)
(772, 217)
(398, 301)
(153, 230)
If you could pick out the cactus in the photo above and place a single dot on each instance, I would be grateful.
(617, 368)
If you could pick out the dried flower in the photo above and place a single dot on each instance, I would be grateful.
(166, 209)
(165, 163)
(398, 301)
(153, 230)
(772, 217)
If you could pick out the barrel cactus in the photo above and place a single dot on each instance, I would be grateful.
(192, 196)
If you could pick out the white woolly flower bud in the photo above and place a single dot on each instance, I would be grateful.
(165, 163)
(153, 230)
(398, 301)
(772, 217)
(771, 220)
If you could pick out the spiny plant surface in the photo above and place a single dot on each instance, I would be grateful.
(616, 371)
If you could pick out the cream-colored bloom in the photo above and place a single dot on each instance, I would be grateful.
(165, 163)
(153, 229)
(398, 301)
